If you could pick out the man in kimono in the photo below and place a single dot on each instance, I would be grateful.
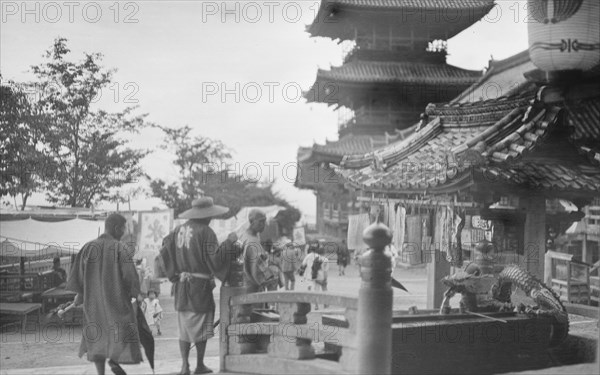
(192, 258)
(257, 274)
(104, 277)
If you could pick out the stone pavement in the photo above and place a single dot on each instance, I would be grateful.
(162, 367)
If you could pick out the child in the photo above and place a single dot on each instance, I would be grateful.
(152, 311)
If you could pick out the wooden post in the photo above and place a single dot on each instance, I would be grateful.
(375, 303)
(437, 269)
(548, 269)
(586, 218)
(22, 273)
(535, 234)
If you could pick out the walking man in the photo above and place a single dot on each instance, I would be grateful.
(104, 277)
(191, 258)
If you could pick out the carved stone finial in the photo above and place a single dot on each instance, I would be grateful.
(377, 236)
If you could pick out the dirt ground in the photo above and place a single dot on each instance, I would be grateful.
(49, 345)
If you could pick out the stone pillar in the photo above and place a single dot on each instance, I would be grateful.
(534, 234)
(234, 286)
(375, 303)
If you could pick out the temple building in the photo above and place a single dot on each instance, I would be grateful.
(396, 67)
(516, 168)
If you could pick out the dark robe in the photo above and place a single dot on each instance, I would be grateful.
(104, 276)
(193, 247)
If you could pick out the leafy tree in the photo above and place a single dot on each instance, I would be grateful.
(200, 163)
(20, 142)
(88, 155)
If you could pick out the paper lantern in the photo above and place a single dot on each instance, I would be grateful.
(564, 34)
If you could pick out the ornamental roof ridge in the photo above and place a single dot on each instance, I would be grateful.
(395, 150)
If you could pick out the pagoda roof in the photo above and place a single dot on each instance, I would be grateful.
(333, 151)
(400, 72)
(495, 142)
(389, 72)
(329, 21)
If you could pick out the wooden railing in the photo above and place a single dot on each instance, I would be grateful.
(284, 341)
(39, 266)
(569, 278)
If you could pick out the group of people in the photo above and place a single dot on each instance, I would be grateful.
(105, 279)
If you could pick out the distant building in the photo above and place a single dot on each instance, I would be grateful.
(397, 66)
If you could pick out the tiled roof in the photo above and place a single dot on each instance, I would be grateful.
(352, 144)
(445, 150)
(420, 4)
(464, 13)
(592, 153)
(502, 78)
(453, 121)
(550, 176)
(399, 72)
(348, 145)
(585, 120)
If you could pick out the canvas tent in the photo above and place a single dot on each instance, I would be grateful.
(33, 238)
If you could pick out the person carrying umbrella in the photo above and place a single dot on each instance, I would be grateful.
(104, 277)
(192, 258)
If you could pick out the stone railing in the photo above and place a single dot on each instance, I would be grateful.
(285, 340)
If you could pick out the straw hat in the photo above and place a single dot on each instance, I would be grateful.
(203, 208)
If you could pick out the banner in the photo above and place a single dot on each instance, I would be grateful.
(299, 237)
(154, 226)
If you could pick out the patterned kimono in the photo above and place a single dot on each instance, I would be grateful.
(192, 247)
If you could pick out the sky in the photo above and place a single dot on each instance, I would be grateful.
(233, 70)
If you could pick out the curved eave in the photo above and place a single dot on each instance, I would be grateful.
(336, 27)
(331, 76)
(462, 181)
(329, 84)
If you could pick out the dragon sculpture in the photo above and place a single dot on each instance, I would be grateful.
(488, 292)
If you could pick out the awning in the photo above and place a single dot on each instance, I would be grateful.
(32, 238)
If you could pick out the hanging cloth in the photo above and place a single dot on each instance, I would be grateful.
(390, 216)
(456, 256)
(356, 226)
(411, 249)
(399, 227)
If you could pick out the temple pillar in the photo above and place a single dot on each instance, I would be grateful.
(534, 233)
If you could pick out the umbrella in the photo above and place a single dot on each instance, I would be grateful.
(397, 284)
(146, 338)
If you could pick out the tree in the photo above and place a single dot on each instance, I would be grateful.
(200, 161)
(88, 154)
(20, 142)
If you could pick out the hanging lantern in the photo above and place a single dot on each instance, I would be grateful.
(564, 34)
